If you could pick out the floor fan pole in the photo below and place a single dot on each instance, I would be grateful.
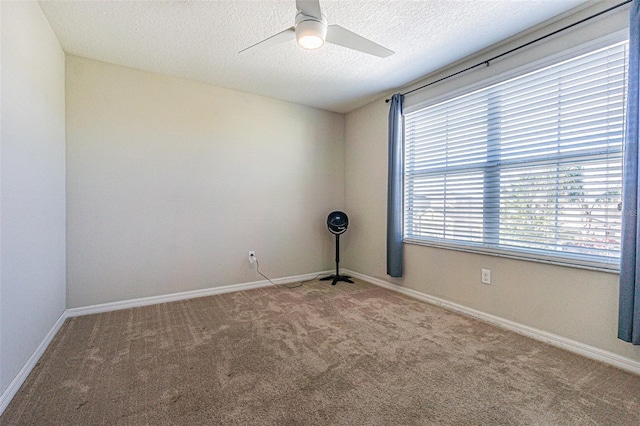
(337, 254)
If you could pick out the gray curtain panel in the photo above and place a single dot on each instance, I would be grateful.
(629, 312)
(394, 188)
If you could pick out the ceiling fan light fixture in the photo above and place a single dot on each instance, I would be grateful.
(311, 33)
(310, 42)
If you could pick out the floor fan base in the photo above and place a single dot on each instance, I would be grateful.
(336, 278)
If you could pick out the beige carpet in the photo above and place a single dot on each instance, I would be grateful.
(317, 354)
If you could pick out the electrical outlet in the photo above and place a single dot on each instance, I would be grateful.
(252, 256)
(486, 276)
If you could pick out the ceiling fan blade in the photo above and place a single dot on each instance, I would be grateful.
(310, 8)
(282, 37)
(345, 38)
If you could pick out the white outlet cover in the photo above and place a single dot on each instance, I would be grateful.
(486, 276)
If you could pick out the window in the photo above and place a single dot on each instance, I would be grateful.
(530, 167)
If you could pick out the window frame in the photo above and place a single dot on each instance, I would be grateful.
(541, 256)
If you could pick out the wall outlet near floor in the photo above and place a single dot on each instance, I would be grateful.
(252, 256)
(486, 276)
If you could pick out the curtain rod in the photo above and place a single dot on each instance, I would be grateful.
(518, 48)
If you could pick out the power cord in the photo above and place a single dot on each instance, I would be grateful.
(300, 284)
(258, 270)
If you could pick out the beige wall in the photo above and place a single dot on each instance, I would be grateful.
(32, 190)
(578, 304)
(170, 183)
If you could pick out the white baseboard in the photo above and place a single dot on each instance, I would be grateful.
(17, 381)
(543, 336)
(153, 300)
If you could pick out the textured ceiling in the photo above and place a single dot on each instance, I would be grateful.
(200, 40)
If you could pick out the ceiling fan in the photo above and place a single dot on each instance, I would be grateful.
(311, 32)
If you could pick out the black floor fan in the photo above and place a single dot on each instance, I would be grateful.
(337, 223)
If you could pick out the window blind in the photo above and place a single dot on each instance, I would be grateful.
(531, 165)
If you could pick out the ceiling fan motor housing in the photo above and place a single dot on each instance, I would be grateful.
(310, 32)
